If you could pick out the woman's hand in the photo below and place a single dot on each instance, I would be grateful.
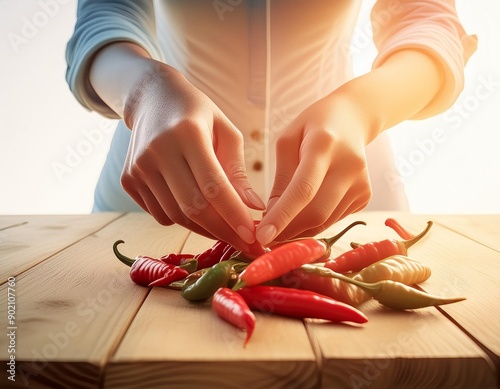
(185, 161)
(321, 173)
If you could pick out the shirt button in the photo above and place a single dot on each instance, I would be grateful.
(256, 135)
(257, 166)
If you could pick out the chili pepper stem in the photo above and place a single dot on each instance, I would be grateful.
(239, 284)
(124, 259)
(330, 241)
(379, 291)
(410, 242)
(323, 271)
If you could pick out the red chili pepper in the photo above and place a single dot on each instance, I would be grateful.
(400, 230)
(226, 254)
(288, 257)
(211, 256)
(147, 271)
(369, 253)
(231, 307)
(176, 259)
(299, 304)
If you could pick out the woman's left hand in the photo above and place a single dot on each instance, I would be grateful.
(321, 171)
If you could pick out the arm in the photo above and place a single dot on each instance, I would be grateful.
(418, 73)
(185, 161)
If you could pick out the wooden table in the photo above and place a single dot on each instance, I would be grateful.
(80, 321)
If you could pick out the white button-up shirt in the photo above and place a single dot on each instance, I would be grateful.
(263, 62)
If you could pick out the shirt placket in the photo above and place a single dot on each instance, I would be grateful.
(258, 88)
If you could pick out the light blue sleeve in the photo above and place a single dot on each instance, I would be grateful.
(98, 24)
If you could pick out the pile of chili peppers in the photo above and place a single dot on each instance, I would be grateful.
(298, 278)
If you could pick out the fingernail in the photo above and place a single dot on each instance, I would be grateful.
(254, 199)
(245, 234)
(266, 234)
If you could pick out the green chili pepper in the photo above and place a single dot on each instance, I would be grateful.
(394, 295)
(215, 277)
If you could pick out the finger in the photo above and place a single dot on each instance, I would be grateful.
(229, 150)
(354, 199)
(218, 193)
(303, 187)
(194, 205)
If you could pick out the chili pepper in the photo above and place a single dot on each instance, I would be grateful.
(211, 256)
(204, 287)
(287, 257)
(227, 253)
(231, 307)
(299, 303)
(176, 259)
(396, 268)
(400, 230)
(394, 295)
(147, 271)
(330, 287)
(366, 254)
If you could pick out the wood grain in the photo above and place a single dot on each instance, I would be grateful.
(174, 343)
(484, 229)
(82, 323)
(32, 239)
(460, 267)
(74, 307)
(399, 350)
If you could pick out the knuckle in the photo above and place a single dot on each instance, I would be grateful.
(193, 205)
(305, 191)
(212, 189)
(237, 171)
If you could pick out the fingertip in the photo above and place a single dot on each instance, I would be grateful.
(266, 234)
(246, 234)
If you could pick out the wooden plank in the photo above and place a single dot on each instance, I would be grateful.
(11, 221)
(399, 350)
(31, 239)
(174, 343)
(484, 229)
(460, 266)
(73, 309)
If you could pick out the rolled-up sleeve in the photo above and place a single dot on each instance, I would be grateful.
(98, 24)
(433, 27)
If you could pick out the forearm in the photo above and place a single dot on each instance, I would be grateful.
(395, 91)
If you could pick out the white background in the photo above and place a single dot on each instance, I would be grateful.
(51, 149)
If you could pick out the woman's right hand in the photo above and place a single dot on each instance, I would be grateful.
(185, 161)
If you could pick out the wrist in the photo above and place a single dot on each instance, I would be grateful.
(349, 100)
(115, 70)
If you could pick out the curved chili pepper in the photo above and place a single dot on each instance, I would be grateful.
(366, 254)
(394, 295)
(211, 256)
(288, 256)
(205, 286)
(299, 303)
(400, 230)
(176, 259)
(147, 271)
(231, 307)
